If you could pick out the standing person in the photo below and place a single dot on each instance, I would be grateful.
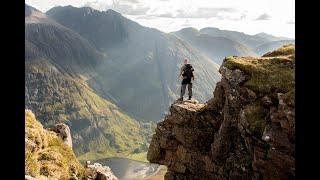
(187, 73)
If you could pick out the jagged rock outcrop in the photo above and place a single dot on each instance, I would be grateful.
(63, 131)
(48, 156)
(99, 172)
(247, 131)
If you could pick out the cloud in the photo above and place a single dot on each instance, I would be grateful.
(264, 16)
(291, 22)
(196, 13)
(186, 25)
(146, 17)
(126, 7)
(132, 1)
(129, 9)
(167, 15)
(204, 12)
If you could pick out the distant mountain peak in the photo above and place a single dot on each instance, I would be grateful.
(188, 30)
(212, 28)
(112, 11)
(29, 10)
(84, 9)
(262, 33)
(33, 15)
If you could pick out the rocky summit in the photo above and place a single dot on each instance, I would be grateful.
(247, 131)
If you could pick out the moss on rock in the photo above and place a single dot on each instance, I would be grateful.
(287, 49)
(268, 74)
(289, 98)
(256, 117)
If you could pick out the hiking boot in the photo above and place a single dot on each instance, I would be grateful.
(189, 98)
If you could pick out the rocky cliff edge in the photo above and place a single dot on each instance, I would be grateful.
(247, 131)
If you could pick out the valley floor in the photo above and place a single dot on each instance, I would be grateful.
(158, 175)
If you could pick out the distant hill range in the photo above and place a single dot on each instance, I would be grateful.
(215, 47)
(262, 49)
(217, 44)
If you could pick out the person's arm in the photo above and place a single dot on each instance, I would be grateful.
(194, 75)
(180, 74)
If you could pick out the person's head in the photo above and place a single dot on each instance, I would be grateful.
(186, 61)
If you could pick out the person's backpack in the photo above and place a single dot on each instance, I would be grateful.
(188, 71)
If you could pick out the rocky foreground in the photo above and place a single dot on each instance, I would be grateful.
(247, 131)
(49, 155)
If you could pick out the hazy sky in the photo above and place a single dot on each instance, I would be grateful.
(276, 17)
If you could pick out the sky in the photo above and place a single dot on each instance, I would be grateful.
(276, 17)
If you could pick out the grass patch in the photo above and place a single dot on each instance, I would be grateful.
(46, 157)
(268, 75)
(142, 156)
(30, 164)
(256, 116)
(67, 158)
(289, 98)
(287, 49)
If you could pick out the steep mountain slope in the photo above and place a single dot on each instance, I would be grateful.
(215, 47)
(248, 40)
(143, 63)
(271, 46)
(247, 131)
(58, 64)
(103, 29)
(63, 46)
(271, 37)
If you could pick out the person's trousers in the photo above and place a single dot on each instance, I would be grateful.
(184, 84)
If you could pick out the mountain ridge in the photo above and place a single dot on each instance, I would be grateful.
(215, 47)
(270, 46)
(139, 50)
(245, 39)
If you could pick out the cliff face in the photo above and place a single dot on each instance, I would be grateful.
(247, 131)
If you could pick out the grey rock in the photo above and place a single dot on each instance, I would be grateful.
(63, 131)
(27, 177)
(29, 145)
